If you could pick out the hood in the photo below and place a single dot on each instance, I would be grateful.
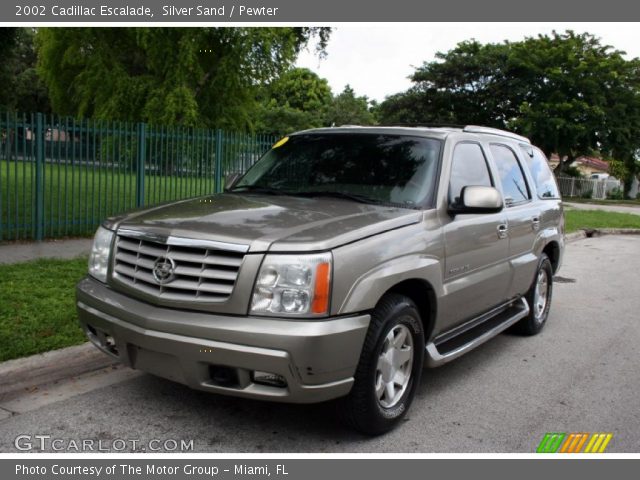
(271, 223)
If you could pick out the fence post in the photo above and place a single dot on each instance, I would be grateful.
(39, 187)
(142, 156)
(218, 172)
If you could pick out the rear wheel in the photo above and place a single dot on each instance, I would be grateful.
(389, 369)
(538, 298)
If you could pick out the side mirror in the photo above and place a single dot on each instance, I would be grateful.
(477, 199)
(231, 179)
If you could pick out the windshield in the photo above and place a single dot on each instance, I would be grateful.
(386, 169)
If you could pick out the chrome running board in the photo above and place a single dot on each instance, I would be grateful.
(447, 347)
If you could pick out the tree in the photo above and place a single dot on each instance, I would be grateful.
(576, 96)
(296, 100)
(21, 90)
(463, 86)
(349, 109)
(405, 108)
(301, 89)
(300, 99)
(567, 92)
(192, 76)
(281, 120)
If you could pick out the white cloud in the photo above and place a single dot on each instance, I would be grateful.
(376, 60)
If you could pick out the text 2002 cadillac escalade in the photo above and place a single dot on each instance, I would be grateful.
(339, 264)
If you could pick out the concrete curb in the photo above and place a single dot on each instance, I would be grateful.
(598, 232)
(25, 374)
(616, 231)
(572, 237)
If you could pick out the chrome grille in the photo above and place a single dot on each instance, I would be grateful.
(201, 274)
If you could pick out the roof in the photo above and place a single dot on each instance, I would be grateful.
(594, 162)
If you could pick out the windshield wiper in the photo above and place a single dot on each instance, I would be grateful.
(328, 193)
(258, 189)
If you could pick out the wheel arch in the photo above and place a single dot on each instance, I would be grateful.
(421, 292)
(552, 250)
(418, 277)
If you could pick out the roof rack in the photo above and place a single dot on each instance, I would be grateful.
(425, 125)
(464, 128)
(495, 131)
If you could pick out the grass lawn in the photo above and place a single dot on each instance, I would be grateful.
(77, 198)
(37, 306)
(579, 219)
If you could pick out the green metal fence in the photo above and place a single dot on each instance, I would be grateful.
(61, 176)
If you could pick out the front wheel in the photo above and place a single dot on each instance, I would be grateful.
(389, 369)
(539, 299)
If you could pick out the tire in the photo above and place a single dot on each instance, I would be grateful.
(375, 404)
(539, 306)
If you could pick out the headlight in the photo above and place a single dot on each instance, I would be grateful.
(99, 258)
(296, 285)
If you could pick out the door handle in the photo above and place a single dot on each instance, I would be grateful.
(503, 230)
(535, 223)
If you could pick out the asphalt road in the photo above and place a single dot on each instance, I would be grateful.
(581, 374)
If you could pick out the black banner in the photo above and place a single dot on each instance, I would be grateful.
(326, 11)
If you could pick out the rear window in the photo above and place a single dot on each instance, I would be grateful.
(542, 175)
(514, 184)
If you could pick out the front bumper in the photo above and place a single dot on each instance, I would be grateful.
(220, 353)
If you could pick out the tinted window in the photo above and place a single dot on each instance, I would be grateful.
(395, 169)
(541, 173)
(469, 167)
(512, 179)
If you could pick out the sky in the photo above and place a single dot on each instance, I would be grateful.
(377, 59)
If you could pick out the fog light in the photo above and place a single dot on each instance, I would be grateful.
(223, 376)
(271, 379)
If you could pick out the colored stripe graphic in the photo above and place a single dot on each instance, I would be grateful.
(569, 443)
(555, 442)
(598, 443)
(550, 442)
(580, 443)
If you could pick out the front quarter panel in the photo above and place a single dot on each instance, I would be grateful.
(366, 269)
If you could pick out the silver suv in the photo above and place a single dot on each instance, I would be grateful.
(335, 268)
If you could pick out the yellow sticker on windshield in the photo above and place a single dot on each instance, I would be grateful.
(280, 142)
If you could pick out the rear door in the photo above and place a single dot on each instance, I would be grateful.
(477, 273)
(523, 216)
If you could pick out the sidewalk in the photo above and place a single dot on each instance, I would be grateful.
(22, 252)
(607, 208)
